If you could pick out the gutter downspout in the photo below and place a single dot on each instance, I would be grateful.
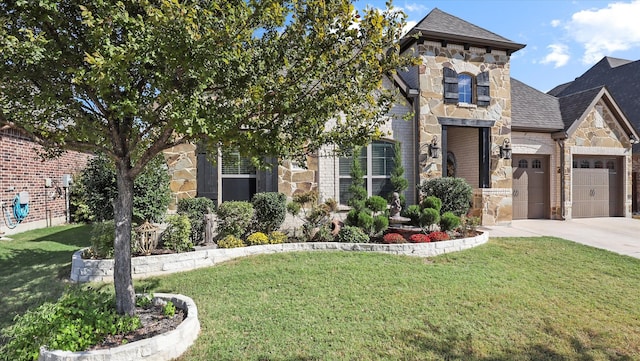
(415, 100)
(560, 138)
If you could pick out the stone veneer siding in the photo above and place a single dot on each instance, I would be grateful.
(599, 134)
(293, 180)
(182, 164)
(494, 204)
(89, 270)
(24, 170)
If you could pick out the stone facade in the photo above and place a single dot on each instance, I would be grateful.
(293, 179)
(182, 164)
(495, 205)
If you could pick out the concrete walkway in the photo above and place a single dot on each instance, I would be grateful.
(619, 235)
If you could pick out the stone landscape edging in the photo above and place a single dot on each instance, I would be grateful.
(163, 347)
(92, 270)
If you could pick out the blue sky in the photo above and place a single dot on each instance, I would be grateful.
(564, 38)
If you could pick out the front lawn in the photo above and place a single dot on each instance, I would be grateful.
(34, 267)
(512, 299)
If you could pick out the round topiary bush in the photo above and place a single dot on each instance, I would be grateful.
(376, 204)
(429, 217)
(449, 222)
(270, 210)
(234, 218)
(351, 234)
(432, 202)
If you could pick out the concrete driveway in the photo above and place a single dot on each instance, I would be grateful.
(619, 235)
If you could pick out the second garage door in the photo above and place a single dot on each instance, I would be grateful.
(597, 187)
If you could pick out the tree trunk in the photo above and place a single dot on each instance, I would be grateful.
(123, 214)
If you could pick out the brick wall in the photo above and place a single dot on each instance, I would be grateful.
(23, 170)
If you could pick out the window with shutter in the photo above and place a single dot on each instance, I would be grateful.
(450, 86)
(482, 89)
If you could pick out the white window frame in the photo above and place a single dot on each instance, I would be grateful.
(368, 177)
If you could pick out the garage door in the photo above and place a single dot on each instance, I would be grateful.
(530, 187)
(597, 187)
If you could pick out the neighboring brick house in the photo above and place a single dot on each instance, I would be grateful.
(526, 154)
(622, 79)
(24, 170)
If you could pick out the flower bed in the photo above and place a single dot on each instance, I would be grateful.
(89, 270)
(164, 347)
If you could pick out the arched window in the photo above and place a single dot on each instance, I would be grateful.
(523, 163)
(536, 164)
(598, 164)
(377, 162)
(465, 88)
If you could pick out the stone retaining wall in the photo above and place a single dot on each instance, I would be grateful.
(89, 270)
(164, 347)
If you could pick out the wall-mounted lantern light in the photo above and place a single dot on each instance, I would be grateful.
(505, 149)
(434, 149)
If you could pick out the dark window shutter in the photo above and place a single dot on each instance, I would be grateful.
(207, 178)
(450, 86)
(484, 97)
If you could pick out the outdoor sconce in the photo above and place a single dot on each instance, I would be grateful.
(505, 149)
(434, 149)
(633, 139)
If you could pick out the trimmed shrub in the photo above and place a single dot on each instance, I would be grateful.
(77, 321)
(257, 238)
(323, 234)
(376, 204)
(234, 218)
(393, 238)
(432, 202)
(351, 234)
(230, 241)
(151, 194)
(455, 193)
(438, 236)
(277, 237)
(270, 209)
(429, 217)
(380, 224)
(293, 208)
(413, 212)
(176, 236)
(419, 238)
(449, 221)
(196, 209)
(103, 236)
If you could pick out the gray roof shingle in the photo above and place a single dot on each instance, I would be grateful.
(532, 109)
(441, 26)
(622, 79)
(573, 106)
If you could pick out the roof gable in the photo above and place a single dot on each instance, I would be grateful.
(576, 107)
(441, 26)
(622, 79)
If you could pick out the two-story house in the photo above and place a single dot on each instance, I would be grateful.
(526, 154)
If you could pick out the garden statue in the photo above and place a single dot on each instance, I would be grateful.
(396, 207)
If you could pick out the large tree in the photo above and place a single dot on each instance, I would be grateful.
(132, 78)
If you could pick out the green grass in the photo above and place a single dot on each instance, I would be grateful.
(34, 267)
(511, 299)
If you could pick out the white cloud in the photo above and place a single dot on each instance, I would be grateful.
(559, 55)
(605, 31)
(415, 7)
(555, 23)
